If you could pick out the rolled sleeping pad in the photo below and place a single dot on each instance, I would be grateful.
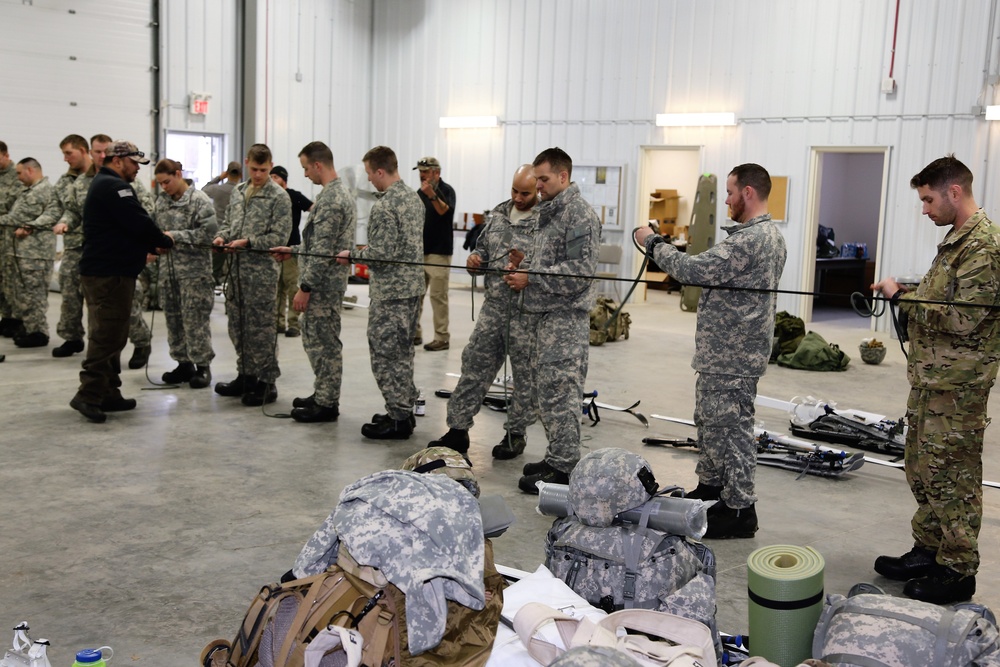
(785, 591)
(676, 516)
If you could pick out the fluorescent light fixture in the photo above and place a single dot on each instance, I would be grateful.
(993, 112)
(695, 119)
(459, 122)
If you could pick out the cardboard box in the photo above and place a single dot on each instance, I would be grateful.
(664, 204)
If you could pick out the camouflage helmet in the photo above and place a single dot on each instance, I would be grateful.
(608, 481)
(445, 461)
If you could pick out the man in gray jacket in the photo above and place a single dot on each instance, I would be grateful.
(733, 345)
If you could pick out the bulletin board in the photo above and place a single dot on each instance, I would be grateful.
(777, 202)
(601, 186)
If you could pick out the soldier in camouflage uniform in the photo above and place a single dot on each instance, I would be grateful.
(10, 187)
(395, 233)
(76, 153)
(557, 310)
(510, 225)
(259, 217)
(322, 282)
(34, 252)
(139, 333)
(951, 366)
(186, 287)
(733, 345)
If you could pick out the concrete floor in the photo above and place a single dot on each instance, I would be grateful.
(152, 532)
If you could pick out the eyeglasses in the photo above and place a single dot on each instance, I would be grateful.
(138, 154)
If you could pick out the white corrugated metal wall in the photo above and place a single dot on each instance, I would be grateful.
(589, 75)
(74, 68)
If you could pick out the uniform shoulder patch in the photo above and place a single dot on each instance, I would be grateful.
(127, 192)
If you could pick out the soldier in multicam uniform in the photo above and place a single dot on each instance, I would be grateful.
(185, 275)
(33, 253)
(76, 153)
(951, 366)
(259, 217)
(557, 310)
(733, 345)
(10, 187)
(510, 225)
(320, 296)
(395, 233)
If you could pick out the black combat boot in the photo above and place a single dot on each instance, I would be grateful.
(726, 523)
(542, 473)
(381, 417)
(237, 387)
(388, 429)
(914, 563)
(455, 438)
(942, 585)
(315, 413)
(304, 402)
(118, 404)
(140, 355)
(510, 447)
(68, 349)
(259, 394)
(183, 373)
(202, 377)
(33, 339)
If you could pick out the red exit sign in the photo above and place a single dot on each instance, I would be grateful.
(199, 105)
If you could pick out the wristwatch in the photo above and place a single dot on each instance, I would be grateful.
(305, 288)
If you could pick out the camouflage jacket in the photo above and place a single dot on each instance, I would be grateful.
(145, 196)
(735, 328)
(63, 197)
(395, 232)
(952, 347)
(10, 188)
(73, 238)
(495, 241)
(265, 219)
(567, 241)
(29, 210)
(329, 229)
(190, 220)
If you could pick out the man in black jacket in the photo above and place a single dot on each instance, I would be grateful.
(118, 235)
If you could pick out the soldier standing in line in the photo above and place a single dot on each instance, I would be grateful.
(185, 275)
(259, 217)
(34, 252)
(951, 365)
(10, 187)
(735, 330)
(220, 190)
(76, 153)
(323, 282)
(557, 311)
(509, 225)
(288, 280)
(395, 229)
(139, 333)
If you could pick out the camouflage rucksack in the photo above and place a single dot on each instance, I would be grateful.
(625, 566)
(600, 314)
(878, 630)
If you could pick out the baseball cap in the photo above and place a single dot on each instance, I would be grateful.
(235, 168)
(280, 171)
(126, 149)
(425, 163)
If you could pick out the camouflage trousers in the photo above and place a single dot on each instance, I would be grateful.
(7, 272)
(31, 294)
(723, 413)
(251, 292)
(321, 342)
(392, 323)
(70, 325)
(138, 330)
(559, 354)
(483, 358)
(187, 307)
(944, 468)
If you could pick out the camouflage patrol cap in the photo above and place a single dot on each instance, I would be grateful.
(608, 481)
(126, 149)
(445, 461)
(425, 163)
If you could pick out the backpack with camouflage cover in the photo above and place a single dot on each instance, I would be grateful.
(600, 330)
(624, 566)
(877, 630)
